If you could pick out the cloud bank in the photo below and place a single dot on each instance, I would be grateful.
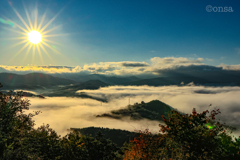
(64, 113)
(122, 68)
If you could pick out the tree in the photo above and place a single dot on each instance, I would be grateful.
(77, 146)
(43, 142)
(146, 146)
(186, 137)
(14, 124)
(18, 139)
(197, 140)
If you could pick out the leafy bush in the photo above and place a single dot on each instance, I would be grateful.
(186, 137)
(77, 146)
(14, 125)
(19, 140)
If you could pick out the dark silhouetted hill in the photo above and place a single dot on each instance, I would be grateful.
(33, 79)
(152, 110)
(117, 136)
(104, 78)
(171, 80)
(25, 94)
(70, 90)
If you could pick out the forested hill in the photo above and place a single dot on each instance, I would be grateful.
(117, 136)
(152, 110)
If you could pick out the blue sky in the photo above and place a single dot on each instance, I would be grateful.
(137, 30)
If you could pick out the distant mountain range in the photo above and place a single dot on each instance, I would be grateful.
(113, 80)
(70, 90)
(178, 77)
(33, 79)
(66, 84)
(39, 80)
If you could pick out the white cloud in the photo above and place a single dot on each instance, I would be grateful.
(46, 69)
(119, 68)
(175, 61)
(230, 67)
(65, 113)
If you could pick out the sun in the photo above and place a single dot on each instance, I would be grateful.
(34, 37)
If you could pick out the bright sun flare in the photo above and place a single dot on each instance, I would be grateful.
(34, 37)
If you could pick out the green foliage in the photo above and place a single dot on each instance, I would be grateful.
(20, 140)
(152, 110)
(43, 142)
(77, 146)
(14, 125)
(117, 136)
(186, 138)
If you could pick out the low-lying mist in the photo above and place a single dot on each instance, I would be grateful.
(63, 113)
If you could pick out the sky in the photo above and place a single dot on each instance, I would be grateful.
(86, 33)
(81, 113)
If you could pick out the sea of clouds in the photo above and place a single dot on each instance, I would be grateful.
(63, 113)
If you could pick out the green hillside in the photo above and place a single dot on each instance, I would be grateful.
(152, 110)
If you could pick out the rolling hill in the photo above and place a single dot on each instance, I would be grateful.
(70, 90)
(33, 79)
(117, 136)
(104, 78)
(152, 110)
(171, 80)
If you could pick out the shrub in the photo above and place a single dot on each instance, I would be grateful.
(186, 137)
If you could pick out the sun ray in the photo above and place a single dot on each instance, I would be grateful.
(50, 21)
(52, 29)
(16, 25)
(14, 38)
(28, 50)
(43, 18)
(40, 24)
(36, 15)
(39, 51)
(51, 47)
(33, 54)
(28, 43)
(47, 40)
(20, 17)
(14, 45)
(23, 41)
(10, 29)
(55, 35)
(41, 46)
(28, 17)
(33, 34)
